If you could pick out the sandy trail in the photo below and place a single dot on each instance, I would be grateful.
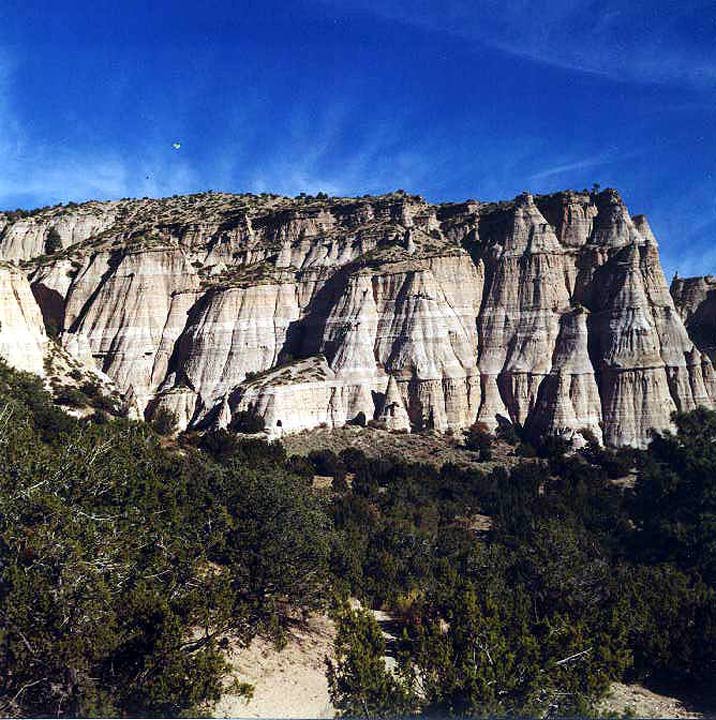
(290, 683)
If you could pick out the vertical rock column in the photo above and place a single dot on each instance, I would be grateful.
(633, 380)
(684, 363)
(423, 339)
(348, 341)
(568, 398)
(520, 318)
(394, 414)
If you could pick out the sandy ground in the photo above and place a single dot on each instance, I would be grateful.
(644, 703)
(290, 683)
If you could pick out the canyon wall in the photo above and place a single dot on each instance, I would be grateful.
(23, 341)
(548, 311)
(695, 299)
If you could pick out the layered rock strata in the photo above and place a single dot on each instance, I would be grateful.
(548, 311)
(695, 299)
(23, 341)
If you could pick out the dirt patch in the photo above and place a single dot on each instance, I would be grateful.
(288, 683)
(291, 683)
(640, 702)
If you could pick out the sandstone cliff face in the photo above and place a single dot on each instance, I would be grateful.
(526, 295)
(695, 299)
(568, 397)
(550, 311)
(115, 310)
(23, 341)
(26, 237)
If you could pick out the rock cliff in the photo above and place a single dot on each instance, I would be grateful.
(23, 341)
(550, 311)
(695, 299)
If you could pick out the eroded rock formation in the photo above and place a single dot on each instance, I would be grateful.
(695, 299)
(23, 341)
(550, 311)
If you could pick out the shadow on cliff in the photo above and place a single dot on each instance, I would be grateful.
(304, 337)
(182, 345)
(702, 325)
(52, 307)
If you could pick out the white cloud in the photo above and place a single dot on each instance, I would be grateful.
(634, 41)
(314, 156)
(35, 173)
(569, 167)
(308, 153)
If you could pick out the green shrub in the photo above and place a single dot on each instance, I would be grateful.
(164, 421)
(247, 421)
(675, 495)
(71, 397)
(106, 605)
(53, 241)
(126, 564)
(105, 403)
(90, 389)
(359, 683)
(326, 462)
(479, 440)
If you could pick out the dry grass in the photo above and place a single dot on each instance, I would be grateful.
(430, 448)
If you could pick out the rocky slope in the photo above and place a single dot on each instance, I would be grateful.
(550, 311)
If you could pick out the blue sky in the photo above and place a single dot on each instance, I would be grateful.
(449, 99)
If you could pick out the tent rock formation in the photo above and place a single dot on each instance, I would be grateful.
(552, 311)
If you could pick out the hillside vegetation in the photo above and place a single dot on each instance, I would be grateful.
(128, 562)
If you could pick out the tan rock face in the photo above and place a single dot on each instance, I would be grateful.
(26, 237)
(695, 299)
(633, 379)
(525, 297)
(568, 397)
(551, 311)
(425, 338)
(120, 306)
(231, 332)
(571, 215)
(23, 341)
(394, 414)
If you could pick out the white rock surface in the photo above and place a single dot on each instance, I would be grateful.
(551, 311)
(394, 414)
(695, 300)
(26, 237)
(23, 341)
